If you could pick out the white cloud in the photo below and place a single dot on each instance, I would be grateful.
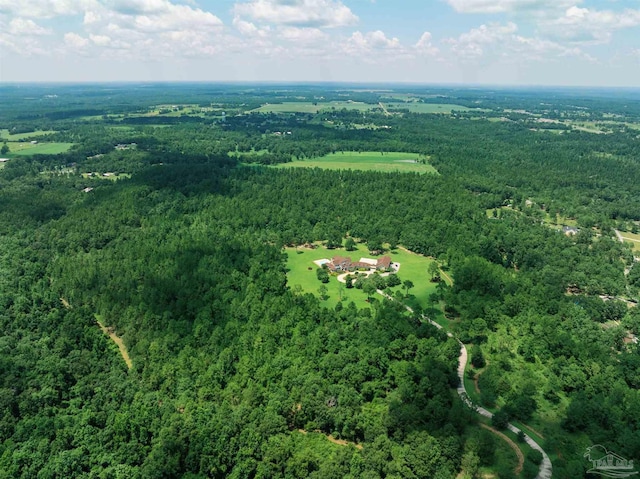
(496, 41)
(21, 26)
(373, 40)
(101, 40)
(299, 13)
(304, 36)
(45, 8)
(586, 25)
(176, 17)
(425, 46)
(249, 29)
(472, 43)
(75, 41)
(503, 6)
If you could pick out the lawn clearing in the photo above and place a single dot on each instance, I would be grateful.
(301, 275)
(312, 107)
(414, 107)
(633, 239)
(5, 135)
(367, 161)
(26, 148)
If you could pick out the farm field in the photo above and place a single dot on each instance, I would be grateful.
(366, 161)
(413, 267)
(415, 107)
(312, 107)
(5, 135)
(25, 148)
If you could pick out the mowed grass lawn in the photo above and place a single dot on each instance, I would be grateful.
(301, 275)
(366, 161)
(312, 107)
(26, 148)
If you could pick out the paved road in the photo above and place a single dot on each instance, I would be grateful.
(546, 469)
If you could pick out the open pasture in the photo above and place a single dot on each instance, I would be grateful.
(312, 107)
(5, 135)
(367, 161)
(25, 148)
(415, 107)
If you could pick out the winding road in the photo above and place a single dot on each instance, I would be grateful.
(546, 469)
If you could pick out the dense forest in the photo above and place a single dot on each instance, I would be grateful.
(166, 221)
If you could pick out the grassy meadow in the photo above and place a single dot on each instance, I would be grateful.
(5, 135)
(415, 107)
(312, 107)
(26, 148)
(632, 239)
(366, 161)
(301, 275)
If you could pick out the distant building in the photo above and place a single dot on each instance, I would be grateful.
(570, 230)
(3, 160)
(339, 263)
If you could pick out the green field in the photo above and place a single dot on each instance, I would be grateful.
(632, 239)
(366, 161)
(301, 275)
(312, 107)
(5, 135)
(414, 107)
(26, 148)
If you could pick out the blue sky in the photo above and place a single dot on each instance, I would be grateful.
(506, 42)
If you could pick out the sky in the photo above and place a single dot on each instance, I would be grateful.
(494, 42)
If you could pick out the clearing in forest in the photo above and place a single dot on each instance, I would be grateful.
(313, 107)
(301, 275)
(416, 107)
(24, 148)
(631, 238)
(5, 135)
(367, 161)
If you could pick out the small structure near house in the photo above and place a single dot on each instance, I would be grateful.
(34, 142)
(87, 190)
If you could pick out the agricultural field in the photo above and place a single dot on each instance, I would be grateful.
(413, 107)
(26, 148)
(312, 107)
(301, 275)
(5, 135)
(367, 161)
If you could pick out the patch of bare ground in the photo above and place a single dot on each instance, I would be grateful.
(339, 442)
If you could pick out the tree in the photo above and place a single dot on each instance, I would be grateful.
(323, 275)
(5, 149)
(350, 244)
(322, 290)
(407, 284)
(349, 281)
(500, 419)
(477, 358)
(369, 288)
(434, 271)
(393, 280)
